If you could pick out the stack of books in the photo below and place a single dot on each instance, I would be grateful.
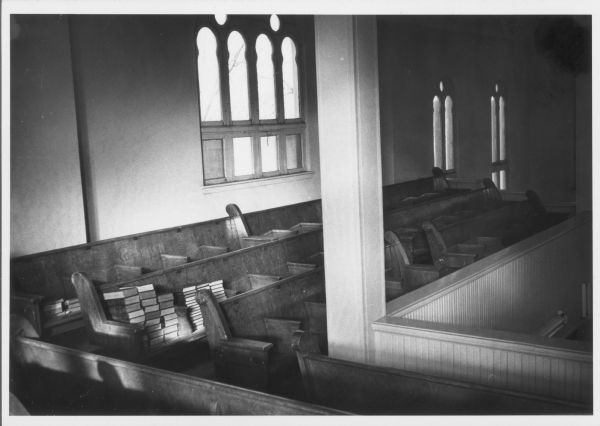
(60, 316)
(124, 305)
(217, 289)
(72, 305)
(168, 317)
(152, 324)
(52, 309)
(187, 297)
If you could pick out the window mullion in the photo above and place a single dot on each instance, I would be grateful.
(228, 157)
(251, 59)
(277, 64)
(224, 73)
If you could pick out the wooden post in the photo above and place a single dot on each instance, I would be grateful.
(350, 152)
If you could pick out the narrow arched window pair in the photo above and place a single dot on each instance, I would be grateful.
(498, 138)
(443, 130)
(250, 107)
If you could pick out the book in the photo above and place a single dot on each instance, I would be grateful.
(165, 297)
(170, 329)
(127, 315)
(152, 322)
(151, 308)
(145, 287)
(167, 311)
(169, 316)
(152, 315)
(147, 294)
(125, 308)
(170, 323)
(148, 302)
(137, 320)
(120, 294)
(157, 332)
(123, 301)
(152, 327)
(167, 304)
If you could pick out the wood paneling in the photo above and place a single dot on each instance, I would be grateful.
(519, 294)
(475, 324)
(561, 373)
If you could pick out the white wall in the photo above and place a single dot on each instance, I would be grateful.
(139, 120)
(46, 195)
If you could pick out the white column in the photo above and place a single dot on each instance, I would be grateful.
(350, 152)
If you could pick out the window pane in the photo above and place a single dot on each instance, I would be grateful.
(291, 96)
(449, 134)
(502, 129)
(243, 160)
(502, 179)
(494, 130)
(293, 151)
(268, 153)
(437, 134)
(238, 77)
(266, 78)
(212, 159)
(208, 76)
(495, 178)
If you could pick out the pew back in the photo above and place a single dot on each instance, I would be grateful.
(48, 273)
(366, 389)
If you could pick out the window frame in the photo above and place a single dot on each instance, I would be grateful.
(498, 165)
(442, 94)
(227, 129)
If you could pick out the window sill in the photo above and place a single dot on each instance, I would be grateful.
(229, 186)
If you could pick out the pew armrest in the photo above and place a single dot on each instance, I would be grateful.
(236, 355)
(305, 342)
(458, 260)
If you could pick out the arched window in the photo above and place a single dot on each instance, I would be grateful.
(252, 123)
(238, 77)
(265, 76)
(208, 76)
(498, 139)
(291, 95)
(443, 130)
(438, 150)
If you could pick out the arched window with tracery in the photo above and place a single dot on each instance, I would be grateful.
(249, 76)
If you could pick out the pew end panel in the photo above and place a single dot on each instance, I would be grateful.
(118, 338)
(241, 361)
(27, 306)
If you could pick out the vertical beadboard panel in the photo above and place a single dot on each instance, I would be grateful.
(517, 370)
(521, 294)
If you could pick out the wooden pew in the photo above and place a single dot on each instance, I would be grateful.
(48, 273)
(406, 222)
(250, 334)
(255, 270)
(54, 379)
(454, 244)
(413, 192)
(267, 259)
(366, 389)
